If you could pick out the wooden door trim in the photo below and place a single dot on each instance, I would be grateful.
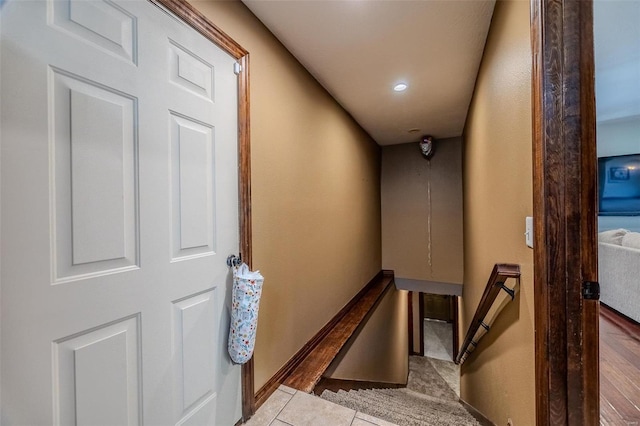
(421, 325)
(564, 188)
(194, 18)
(410, 325)
(456, 326)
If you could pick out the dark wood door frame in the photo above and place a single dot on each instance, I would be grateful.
(191, 16)
(456, 326)
(421, 324)
(565, 214)
(410, 325)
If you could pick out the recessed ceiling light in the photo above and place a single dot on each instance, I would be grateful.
(414, 130)
(400, 87)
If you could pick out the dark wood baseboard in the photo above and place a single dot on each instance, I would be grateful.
(481, 418)
(272, 384)
(334, 385)
(631, 327)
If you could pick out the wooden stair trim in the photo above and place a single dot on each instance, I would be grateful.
(309, 372)
(279, 377)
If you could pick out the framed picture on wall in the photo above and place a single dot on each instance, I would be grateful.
(619, 185)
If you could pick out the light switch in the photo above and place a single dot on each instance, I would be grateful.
(528, 234)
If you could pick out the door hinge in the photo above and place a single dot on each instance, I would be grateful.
(237, 68)
(591, 290)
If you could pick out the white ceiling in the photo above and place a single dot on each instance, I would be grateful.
(358, 49)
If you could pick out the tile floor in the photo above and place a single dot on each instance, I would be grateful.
(289, 407)
(438, 340)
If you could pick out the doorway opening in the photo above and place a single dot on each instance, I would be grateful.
(433, 325)
(616, 58)
(438, 323)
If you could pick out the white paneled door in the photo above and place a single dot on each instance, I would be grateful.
(119, 206)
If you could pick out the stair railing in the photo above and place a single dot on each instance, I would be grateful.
(495, 297)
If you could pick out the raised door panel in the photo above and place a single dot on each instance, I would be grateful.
(102, 24)
(197, 351)
(192, 179)
(190, 71)
(94, 183)
(97, 375)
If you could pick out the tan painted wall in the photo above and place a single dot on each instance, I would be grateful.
(378, 350)
(315, 194)
(405, 211)
(498, 379)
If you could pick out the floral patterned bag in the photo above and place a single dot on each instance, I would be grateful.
(247, 288)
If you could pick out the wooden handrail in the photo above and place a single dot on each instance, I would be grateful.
(501, 272)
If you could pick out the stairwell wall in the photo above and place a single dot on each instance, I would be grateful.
(315, 194)
(498, 379)
(422, 211)
(377, 352)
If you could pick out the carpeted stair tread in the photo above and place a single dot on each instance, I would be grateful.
(405, 397)
(424, 378)
(400, 405)
(408, 400)
(449, 371)
(418, 398)
(406, 410)
(427, 400)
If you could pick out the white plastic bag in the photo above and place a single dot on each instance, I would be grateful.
(247, 288)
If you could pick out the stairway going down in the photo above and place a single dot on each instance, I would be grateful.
(430, 398)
